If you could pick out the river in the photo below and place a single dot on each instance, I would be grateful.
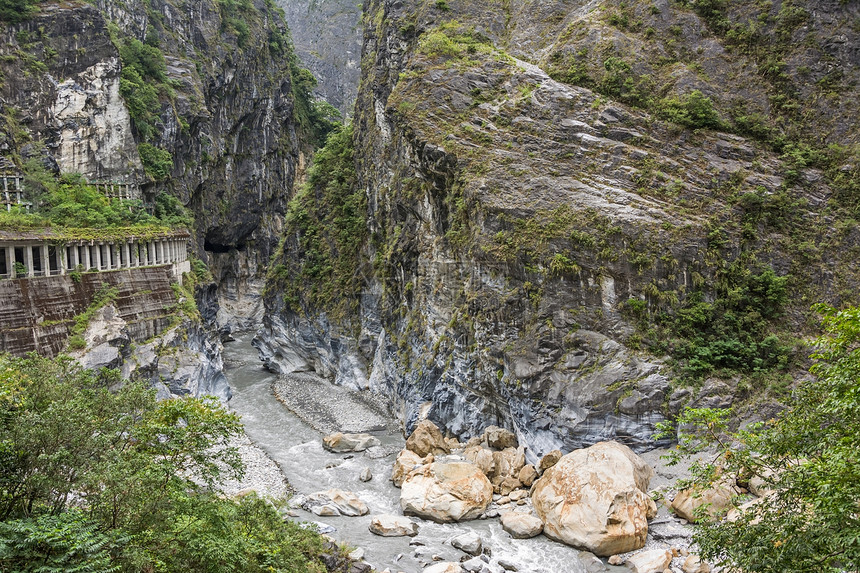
(297, 448)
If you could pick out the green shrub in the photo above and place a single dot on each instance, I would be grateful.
(453, 40)
(96, 477)
(60, 543)
(76, 342)
(170, 211)
(157, 162)
(235, 15)
(693, 110)
(142, 82)
(734, 331)
(327, 217)
(806, 457)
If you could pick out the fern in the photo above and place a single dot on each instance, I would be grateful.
(66, 542)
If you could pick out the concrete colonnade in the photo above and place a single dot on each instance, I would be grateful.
(24, 258)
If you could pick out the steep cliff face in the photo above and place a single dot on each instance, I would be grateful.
(327, 37)
(535, 246)
(204, 94)
(60, 88)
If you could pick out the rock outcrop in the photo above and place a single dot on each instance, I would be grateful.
(426, 439)
(594, 499)
(138, 333)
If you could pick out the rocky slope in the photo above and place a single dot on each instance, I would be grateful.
(202, 91)
(548, 213)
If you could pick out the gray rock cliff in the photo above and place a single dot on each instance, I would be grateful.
(527, 235)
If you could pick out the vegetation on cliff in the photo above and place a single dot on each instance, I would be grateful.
(17, 10)
(69, 206)
(318, 263)
(806, 458)
(100, 477)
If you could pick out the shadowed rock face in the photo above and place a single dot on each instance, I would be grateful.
(327, 37)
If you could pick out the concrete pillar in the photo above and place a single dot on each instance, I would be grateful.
(161, 252)
(75, 255)
(85, 251)
(126, 255)
(46, 262)
(28, 259)
(135, 254)
(61, 258)
(10, 261)
(98, 250)
(150, 256)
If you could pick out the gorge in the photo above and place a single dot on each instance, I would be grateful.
(569, 220)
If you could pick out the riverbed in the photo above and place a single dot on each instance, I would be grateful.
(294, 443)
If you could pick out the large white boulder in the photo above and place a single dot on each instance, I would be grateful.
(595, 499)
(446, 491)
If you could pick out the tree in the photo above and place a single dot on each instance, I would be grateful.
(15, 11)
(808, 457)
(97, 475)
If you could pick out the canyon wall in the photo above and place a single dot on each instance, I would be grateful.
(548, 239)
(223, 112)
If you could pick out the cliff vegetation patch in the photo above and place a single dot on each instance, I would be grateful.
(318, 264)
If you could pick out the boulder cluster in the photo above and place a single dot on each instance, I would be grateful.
(594, 499)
